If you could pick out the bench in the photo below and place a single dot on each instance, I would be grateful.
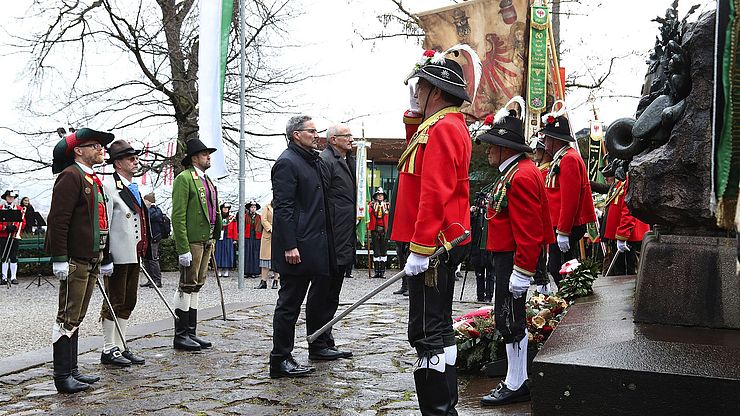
(34, 245)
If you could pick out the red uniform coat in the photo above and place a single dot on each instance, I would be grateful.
(620, 224)
(432, 202)
(523, 223)
(375, 219)
(569, 193)
(19, 226)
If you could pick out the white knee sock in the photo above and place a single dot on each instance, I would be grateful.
(451, 355)
(436, 362)
(109, 335)
(181, 301)
(123, 323)
(194, 300)
(5, 271)
(13, 269)
(516, 373)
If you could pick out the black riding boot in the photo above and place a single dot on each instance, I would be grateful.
(433, 393)
(376, 265)
(63, 380)
(382, 269)
(73, 348)
(182, 339)
(192, 325)
(404, 286)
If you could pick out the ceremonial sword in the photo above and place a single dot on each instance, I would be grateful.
(218, 281)
(389, 282)
(159, 292)
(112, 313)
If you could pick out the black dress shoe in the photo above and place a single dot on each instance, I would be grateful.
(325, 354)
(147, 284)
(114, 357)
(345, 354)
(262, 285)
(274, 284)
(134, 359)
(289, 368)
(503, 395)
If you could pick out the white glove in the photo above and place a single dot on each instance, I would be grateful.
(413, 102)
(543, 289)
(416, 264)
(518, 284)
(185, 259)
(61, 269)
(106, 269)
(563, 243)
(622, 246)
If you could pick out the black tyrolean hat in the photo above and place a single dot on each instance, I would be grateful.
(445, 73)
(506, 129)
(195, 146)
(62, 154)
(380, 191)
(119, 149)
(558, 128)
(9, 192)
(252, 202)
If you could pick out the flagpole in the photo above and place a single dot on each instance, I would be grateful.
(242, 148)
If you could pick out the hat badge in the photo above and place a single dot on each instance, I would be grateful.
(501, 132)
(445, 74)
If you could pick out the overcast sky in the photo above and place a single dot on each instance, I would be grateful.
(364, 80)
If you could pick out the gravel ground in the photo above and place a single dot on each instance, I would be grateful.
(27, 314)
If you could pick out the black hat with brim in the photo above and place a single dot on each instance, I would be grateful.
(8, 193)
(559, 129)
(507, 133)
(195, 146)
(380, 191)
(250, 203)
(609, 170)
(447, 76)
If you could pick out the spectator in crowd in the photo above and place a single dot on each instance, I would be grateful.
(252, 237)
(29, 214)
(266, 250)
(155, 220)
(225, 245)
(10, 236)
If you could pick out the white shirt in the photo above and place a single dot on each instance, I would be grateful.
(502, 167)
(85, 169)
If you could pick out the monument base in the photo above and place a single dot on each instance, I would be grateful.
(688, 280)
(599, 361)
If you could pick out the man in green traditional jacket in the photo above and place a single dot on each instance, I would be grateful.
(195, 216)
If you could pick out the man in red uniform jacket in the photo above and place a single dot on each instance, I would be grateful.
(432, 207)
(623, 227)
(568, 193)
(518, 229)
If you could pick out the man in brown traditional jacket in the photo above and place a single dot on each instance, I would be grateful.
(76, 239)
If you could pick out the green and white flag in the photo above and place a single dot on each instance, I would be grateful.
(215, 19)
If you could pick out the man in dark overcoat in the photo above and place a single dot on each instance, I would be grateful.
(338, 167)
(302, 249)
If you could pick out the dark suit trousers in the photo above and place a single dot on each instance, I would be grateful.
(332, 287)
(557, 257)
(430, 308)
(293, 289)
(122, 288)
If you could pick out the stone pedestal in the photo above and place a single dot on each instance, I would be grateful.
(598, 361)
(687, 280)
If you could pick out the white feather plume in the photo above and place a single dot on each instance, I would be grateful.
(504, 111)
(474, 60)
(438, 58)
(553, 112)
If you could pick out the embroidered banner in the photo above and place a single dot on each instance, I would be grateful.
(496, 30)
(537, 76)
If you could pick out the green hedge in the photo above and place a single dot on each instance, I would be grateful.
(168, 255)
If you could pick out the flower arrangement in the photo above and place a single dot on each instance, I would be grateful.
(578, 279)
(479, 343)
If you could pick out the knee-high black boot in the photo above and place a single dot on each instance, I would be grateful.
(433, 393)
(376, 265)
(75, 371)
(182, 339)
(451, 377)
(382, 269)
(192, 326)
(63, 380)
